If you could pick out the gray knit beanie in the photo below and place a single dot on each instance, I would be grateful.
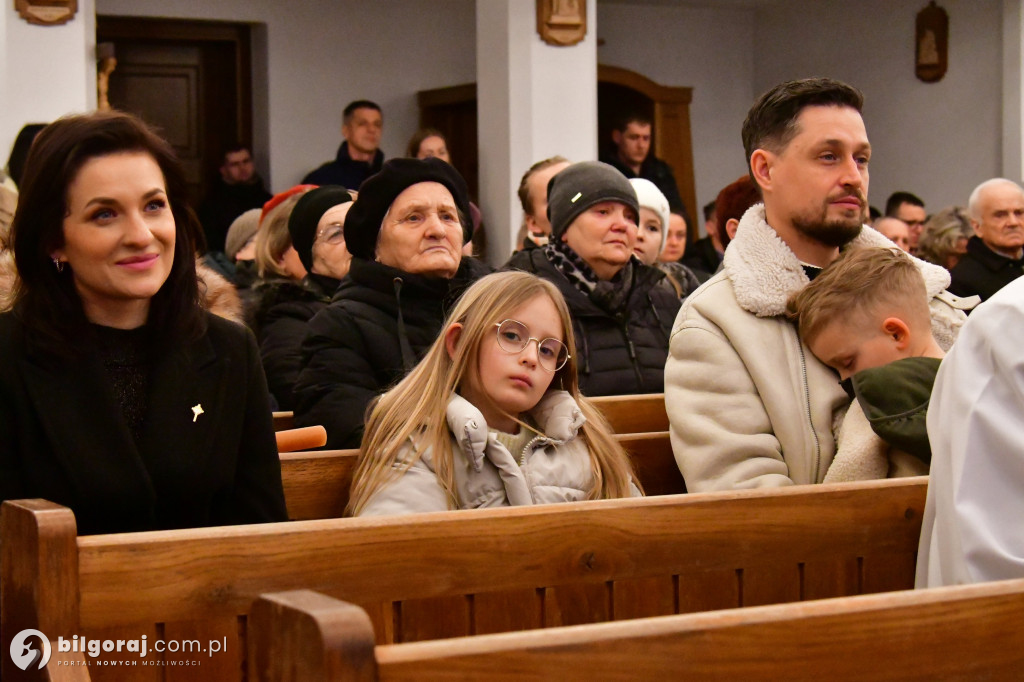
(580, 186)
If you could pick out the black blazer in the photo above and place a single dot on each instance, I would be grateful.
(63, 437)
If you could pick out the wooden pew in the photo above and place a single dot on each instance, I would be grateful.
(429, 576)
(964, 632)
(625, 413)
(634, 413)
(284, 421)
(316, 484)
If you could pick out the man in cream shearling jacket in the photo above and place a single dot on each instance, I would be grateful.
(749, 405)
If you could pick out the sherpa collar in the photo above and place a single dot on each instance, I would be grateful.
(765, 272)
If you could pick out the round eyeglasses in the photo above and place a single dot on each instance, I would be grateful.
(333, 233)
(514, 337)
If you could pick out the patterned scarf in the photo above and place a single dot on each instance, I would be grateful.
(610, 296)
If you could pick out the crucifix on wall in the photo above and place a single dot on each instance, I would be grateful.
(932, 43)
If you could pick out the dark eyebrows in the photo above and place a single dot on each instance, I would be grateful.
(832, 142)
(107, 201)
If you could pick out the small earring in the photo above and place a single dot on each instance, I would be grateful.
(59, 264)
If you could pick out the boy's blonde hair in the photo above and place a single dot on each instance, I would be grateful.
(855, 286)
(414, 411)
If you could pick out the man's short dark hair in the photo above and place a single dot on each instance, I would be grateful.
(524, 185)
(232, 147)
(771, 122)
(897, 199)
(633, 117)
(709, 210)
(346, 115)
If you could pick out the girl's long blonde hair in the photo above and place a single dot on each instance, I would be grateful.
(414, 411)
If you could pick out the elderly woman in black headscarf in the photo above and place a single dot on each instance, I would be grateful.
(286, 305)
(405, 232)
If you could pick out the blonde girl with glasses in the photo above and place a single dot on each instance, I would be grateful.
(492, 416)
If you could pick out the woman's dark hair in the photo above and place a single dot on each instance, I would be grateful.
(19, 151)
(413, 151)
(46, 300)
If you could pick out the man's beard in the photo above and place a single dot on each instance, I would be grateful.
(836, 233)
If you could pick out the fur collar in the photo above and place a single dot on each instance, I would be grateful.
(861, 455)
(765, 272)
(219, 295)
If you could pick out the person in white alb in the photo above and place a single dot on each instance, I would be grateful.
(972, 529)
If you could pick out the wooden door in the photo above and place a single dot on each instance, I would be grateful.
(669, 109)
(453, 111)
(191, 80)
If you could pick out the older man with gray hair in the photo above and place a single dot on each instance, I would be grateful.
(895, 230)
(995, 255)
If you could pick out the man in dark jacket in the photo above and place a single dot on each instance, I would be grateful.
(238, 189)
(621, 317)
(995, 257)
(389, 310)
(632, 156)
(359, 155)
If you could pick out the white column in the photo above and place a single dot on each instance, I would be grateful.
(533, 101)
(1013, 90)
(45, 71)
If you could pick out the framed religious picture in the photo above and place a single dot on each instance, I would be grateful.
(562, 22)
(932, 43)
(46, 12)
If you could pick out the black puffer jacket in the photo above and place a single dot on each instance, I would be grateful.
(281, 318)
(619, 353)
(982, 272)
(377, 327)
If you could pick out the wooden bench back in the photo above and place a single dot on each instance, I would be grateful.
(317, 484)
(448, 574)
(964, 632)
(625, 413)
(284, 420)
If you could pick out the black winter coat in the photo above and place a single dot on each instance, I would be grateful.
(619, 353)
(283, 310)
(982, 272)
(345, 170)
(379, 324)
(658, 172)
(206, 454)
(226, 202)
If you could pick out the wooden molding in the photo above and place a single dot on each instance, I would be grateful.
(46, 12)
(672, 136)
(562, 22)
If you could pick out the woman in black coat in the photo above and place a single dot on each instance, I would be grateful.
(119, 396)
(621, 313)
(405, 232)
(298, 285)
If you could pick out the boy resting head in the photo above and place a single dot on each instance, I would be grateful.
(866, 316)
